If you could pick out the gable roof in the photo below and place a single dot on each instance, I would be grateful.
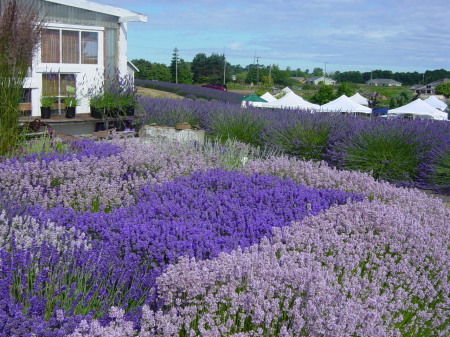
(383, 81)
(124, 15)
(433, 84)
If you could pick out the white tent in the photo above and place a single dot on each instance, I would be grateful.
(267, 96)
(436, 103)
(419, 108)
(359, 99)
(291, 101)
(286, 90)
(344, 104)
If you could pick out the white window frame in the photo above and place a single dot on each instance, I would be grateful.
(78, 28)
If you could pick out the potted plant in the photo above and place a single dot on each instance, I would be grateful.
(71, 104)
(97, 105)
(46, 106)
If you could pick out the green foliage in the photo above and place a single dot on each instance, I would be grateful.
(404, 97)
(240, 126)
(349, 76)
(390, 154)
(307, 140)
(443, 89)
(20, 30)
(47, 102)
(41, 145)
(324, 95)
(152, 71)
(209, 69)
(345, 89)
(71, 101)
(179, 69)
(440, 174)
(232, 154)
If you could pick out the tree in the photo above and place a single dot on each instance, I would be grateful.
(144, 67)
(174, 65)
(404, 97)
(324, 95)
(199, 67)
(20, 31)
(317, 72)
(443, 89)
(345, 89)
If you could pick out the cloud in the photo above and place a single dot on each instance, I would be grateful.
(401, 33)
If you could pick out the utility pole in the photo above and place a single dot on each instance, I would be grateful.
(175, 56)
(325, 73)
(270, 73)
(257, 69)
(224, 69)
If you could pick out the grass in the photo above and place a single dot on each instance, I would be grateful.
(152, 93)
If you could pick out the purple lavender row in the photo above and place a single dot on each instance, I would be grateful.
(405, 152)
(375, 268)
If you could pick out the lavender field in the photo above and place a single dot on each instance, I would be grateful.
(412, 153)
(125, 238)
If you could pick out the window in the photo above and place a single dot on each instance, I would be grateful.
(56, 85)
(69, 46)
(89, 47)
(50, 46)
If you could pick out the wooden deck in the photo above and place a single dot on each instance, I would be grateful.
(79, 125)
(61, 119)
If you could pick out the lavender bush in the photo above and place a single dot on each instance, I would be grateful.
(399, 151)
(184, 248)
(191, 91)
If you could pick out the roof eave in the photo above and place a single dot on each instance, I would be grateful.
(123, 14)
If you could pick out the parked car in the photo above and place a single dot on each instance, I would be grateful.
(216, 86)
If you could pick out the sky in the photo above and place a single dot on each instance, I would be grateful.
(339, 35)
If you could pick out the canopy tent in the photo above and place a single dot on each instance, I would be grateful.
(267, 96)
(359, 99)
(286, 90)
(419, 108)
(291, 101)
(249, 99)
(436, 103)
(344, 104)
(380, 111)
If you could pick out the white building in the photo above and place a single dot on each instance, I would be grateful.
(81, 42)
(320, 80)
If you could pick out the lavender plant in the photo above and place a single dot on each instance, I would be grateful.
(191, 90)
(389, 153)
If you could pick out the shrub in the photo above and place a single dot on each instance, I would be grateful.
(387, 152)
(240, 124)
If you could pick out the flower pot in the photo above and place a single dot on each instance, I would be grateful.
(96, 112)
(46, 112)
(70, 112)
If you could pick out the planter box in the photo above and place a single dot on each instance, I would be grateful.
(164, 133)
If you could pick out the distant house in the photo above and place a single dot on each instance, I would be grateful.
(430, 88)
(383, 82)
(81, 42)
(299, 79)
(320, 80)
